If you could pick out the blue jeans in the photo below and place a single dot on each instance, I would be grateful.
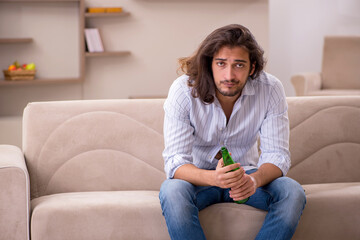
(181, 201)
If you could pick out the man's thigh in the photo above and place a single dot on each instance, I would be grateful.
(201, 196)
(206, 196)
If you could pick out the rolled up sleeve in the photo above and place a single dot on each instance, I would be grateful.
(178, 132)
(274, 132)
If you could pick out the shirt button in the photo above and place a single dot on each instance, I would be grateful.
(222, 143)
(221, 129)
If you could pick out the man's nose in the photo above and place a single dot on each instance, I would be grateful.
(229, 73)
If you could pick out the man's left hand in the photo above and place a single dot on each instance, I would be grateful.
(245, 189)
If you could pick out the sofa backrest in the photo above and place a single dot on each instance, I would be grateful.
(105, 145)
(324, 139)
(93, 145)
(341, 62)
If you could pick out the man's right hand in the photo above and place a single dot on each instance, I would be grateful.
(225, 178)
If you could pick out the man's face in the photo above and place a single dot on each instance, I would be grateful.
(231, 69)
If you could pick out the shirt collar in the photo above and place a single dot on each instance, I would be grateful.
(248, 88)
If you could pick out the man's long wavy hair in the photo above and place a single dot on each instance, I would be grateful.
(198, 66)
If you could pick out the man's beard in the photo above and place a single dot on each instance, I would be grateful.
(231, 93)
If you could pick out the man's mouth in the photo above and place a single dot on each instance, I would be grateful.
(230, 83)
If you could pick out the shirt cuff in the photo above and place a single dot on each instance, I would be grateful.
(277, 159)
(174, 164)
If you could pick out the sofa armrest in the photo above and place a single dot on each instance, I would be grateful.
(304, 83)
(14, 194)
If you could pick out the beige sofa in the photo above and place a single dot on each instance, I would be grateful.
(92, 170)
(340, 71)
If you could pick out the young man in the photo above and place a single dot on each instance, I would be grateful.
(226, 99)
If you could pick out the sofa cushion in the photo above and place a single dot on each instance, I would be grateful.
(334, 92)
(324, 139)
(137, 215)
(129, 215)
(332, 212)
(93, 145)
(98, 215)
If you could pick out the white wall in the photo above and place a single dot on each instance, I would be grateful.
(297, 30)
(157, 32)
(11, 130)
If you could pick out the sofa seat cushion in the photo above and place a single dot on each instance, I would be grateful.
(334, 92)
(129, 215)
(332, 211)
(137, 215)
(98, 215)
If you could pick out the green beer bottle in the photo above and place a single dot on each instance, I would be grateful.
(227, 159)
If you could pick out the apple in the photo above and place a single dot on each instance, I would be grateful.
(30, 66)
(12, 67)
(24, 66)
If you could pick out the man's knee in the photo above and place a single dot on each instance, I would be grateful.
(292, 191)
(177, 199)
(175, 189)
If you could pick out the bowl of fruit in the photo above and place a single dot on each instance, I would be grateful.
(20, 72)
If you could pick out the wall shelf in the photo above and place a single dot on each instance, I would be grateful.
(88, 16)
(94, 15)
(107, 54)
(15, 40)
(82, 16)
(47, 81)
(40, 1)
(24, 40)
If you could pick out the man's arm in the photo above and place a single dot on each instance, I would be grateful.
(266, 173)
(178, 132)
(221, 177)
(274, 131)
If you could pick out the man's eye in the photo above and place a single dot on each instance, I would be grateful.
(220, 64)
(239, 65)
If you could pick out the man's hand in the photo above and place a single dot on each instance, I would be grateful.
(242, 185)
(245, 189)
(264, 175)
(225, 178)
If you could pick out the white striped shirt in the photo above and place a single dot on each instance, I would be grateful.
(194, 132)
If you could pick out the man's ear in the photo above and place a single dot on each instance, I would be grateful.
(252, 69)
